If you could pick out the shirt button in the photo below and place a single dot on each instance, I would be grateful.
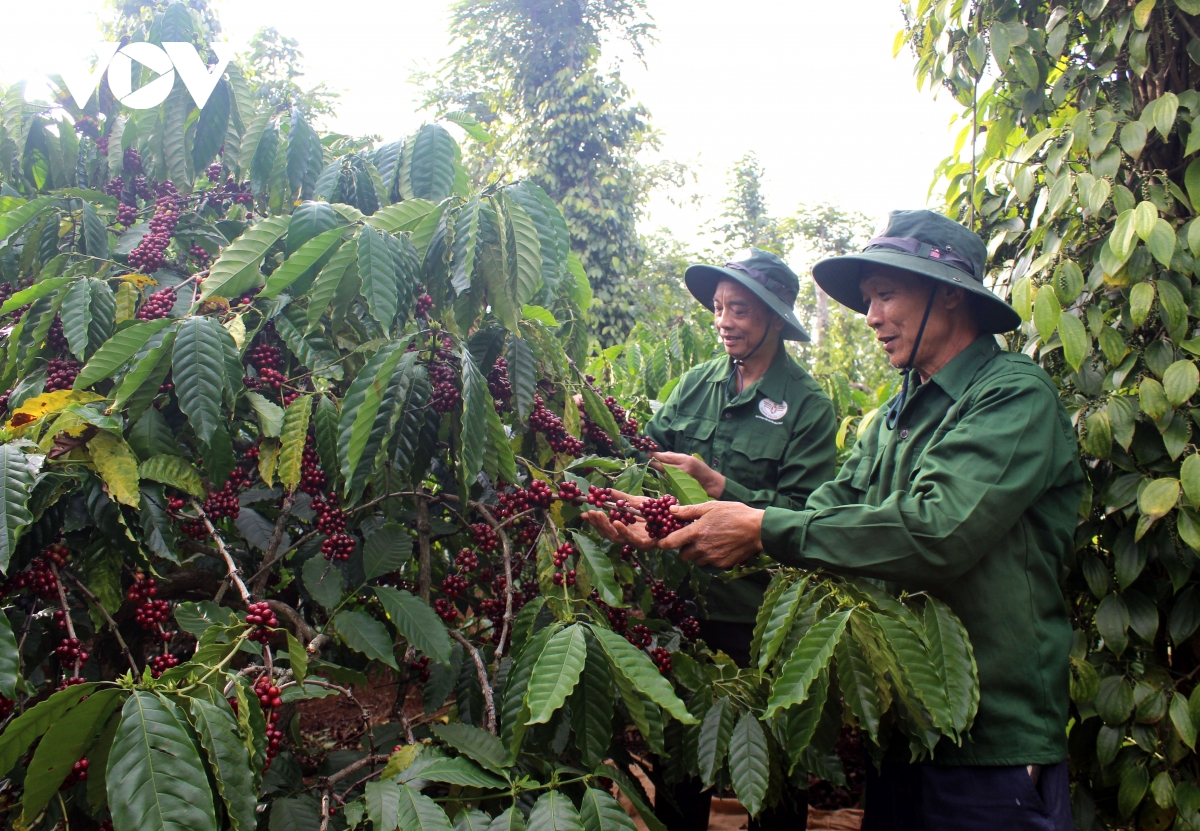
(728, 415)
(904, 434)
(716, 462)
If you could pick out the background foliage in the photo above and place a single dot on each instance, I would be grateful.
(290, 414)
(1084, 182)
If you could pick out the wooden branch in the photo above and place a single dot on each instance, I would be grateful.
(235, 573)
(509, 591)
(481, 671)
(112, 624)
(305, 632)
(259, 581)
(62, 599)
(424, 528)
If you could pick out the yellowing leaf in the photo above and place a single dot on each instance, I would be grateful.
(1162, 242)
(1189, 476)
(1144, 217)
(127, 297)
(139, 281)
(293, 435)
(1153, 399)
(46, 403)
(1141, 13)
(1158, 498)
(236, 327)
(1022, 298)
(1141, 297)
(268, 460)
(117, 466)
(1180, 382)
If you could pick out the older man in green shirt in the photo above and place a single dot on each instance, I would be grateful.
(752, 427)
(968, 488)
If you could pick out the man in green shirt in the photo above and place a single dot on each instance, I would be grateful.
(762, 434)
(968, 488)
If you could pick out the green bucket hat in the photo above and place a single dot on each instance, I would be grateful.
(764, 274)
(925, 243)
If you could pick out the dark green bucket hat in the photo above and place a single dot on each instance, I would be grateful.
(764, 274)
(924, 243)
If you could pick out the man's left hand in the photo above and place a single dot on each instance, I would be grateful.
(722, 534)
(709, 479)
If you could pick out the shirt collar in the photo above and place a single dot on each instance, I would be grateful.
(957, 375)
(773, 384)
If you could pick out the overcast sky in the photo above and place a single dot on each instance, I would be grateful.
(811, 87)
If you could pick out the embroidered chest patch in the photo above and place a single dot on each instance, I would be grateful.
(772, 410)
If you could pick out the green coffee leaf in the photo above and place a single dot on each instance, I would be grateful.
(365, 634)
(417, 623)
(156, 780)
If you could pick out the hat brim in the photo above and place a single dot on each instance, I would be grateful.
(701, 281)
(839, 277)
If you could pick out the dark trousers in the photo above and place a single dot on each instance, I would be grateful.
(692, 803)
(916, 797)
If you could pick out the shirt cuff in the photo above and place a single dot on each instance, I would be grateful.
(783, 533)
(734, 492)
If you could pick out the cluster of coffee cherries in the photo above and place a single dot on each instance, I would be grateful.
(61, 373)
(619, 510)
(561, 555)
(151, 612)
(148, 256)
(639, 635)
(498, 383)
(466, 560)
(70, 651)
(223, 503)
(662, 659)
(541, 420)
(55, 339)
(158, 305)
(161, 663)
(199, 254)
(39, 579)
(312, 476)
(331, 521)
(424, 303)
(213, 172)
(660, 522)
(131, 162)
(269, 698)
(78, 773)
(675, 609)
(268, 361)
(420, 667)
(127, 214)
(261, 616)
(484, 537)
(443, 375)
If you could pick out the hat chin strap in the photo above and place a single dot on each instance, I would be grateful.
(893, 413)
(738, 363)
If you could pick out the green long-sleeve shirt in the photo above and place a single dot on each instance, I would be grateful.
(774, 443)
(973, 497)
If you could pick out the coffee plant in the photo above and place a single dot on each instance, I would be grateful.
(290, 416)
(1077, 164)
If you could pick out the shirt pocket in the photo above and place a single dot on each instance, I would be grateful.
(696, 435)
(861, 479)
(755, 454)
